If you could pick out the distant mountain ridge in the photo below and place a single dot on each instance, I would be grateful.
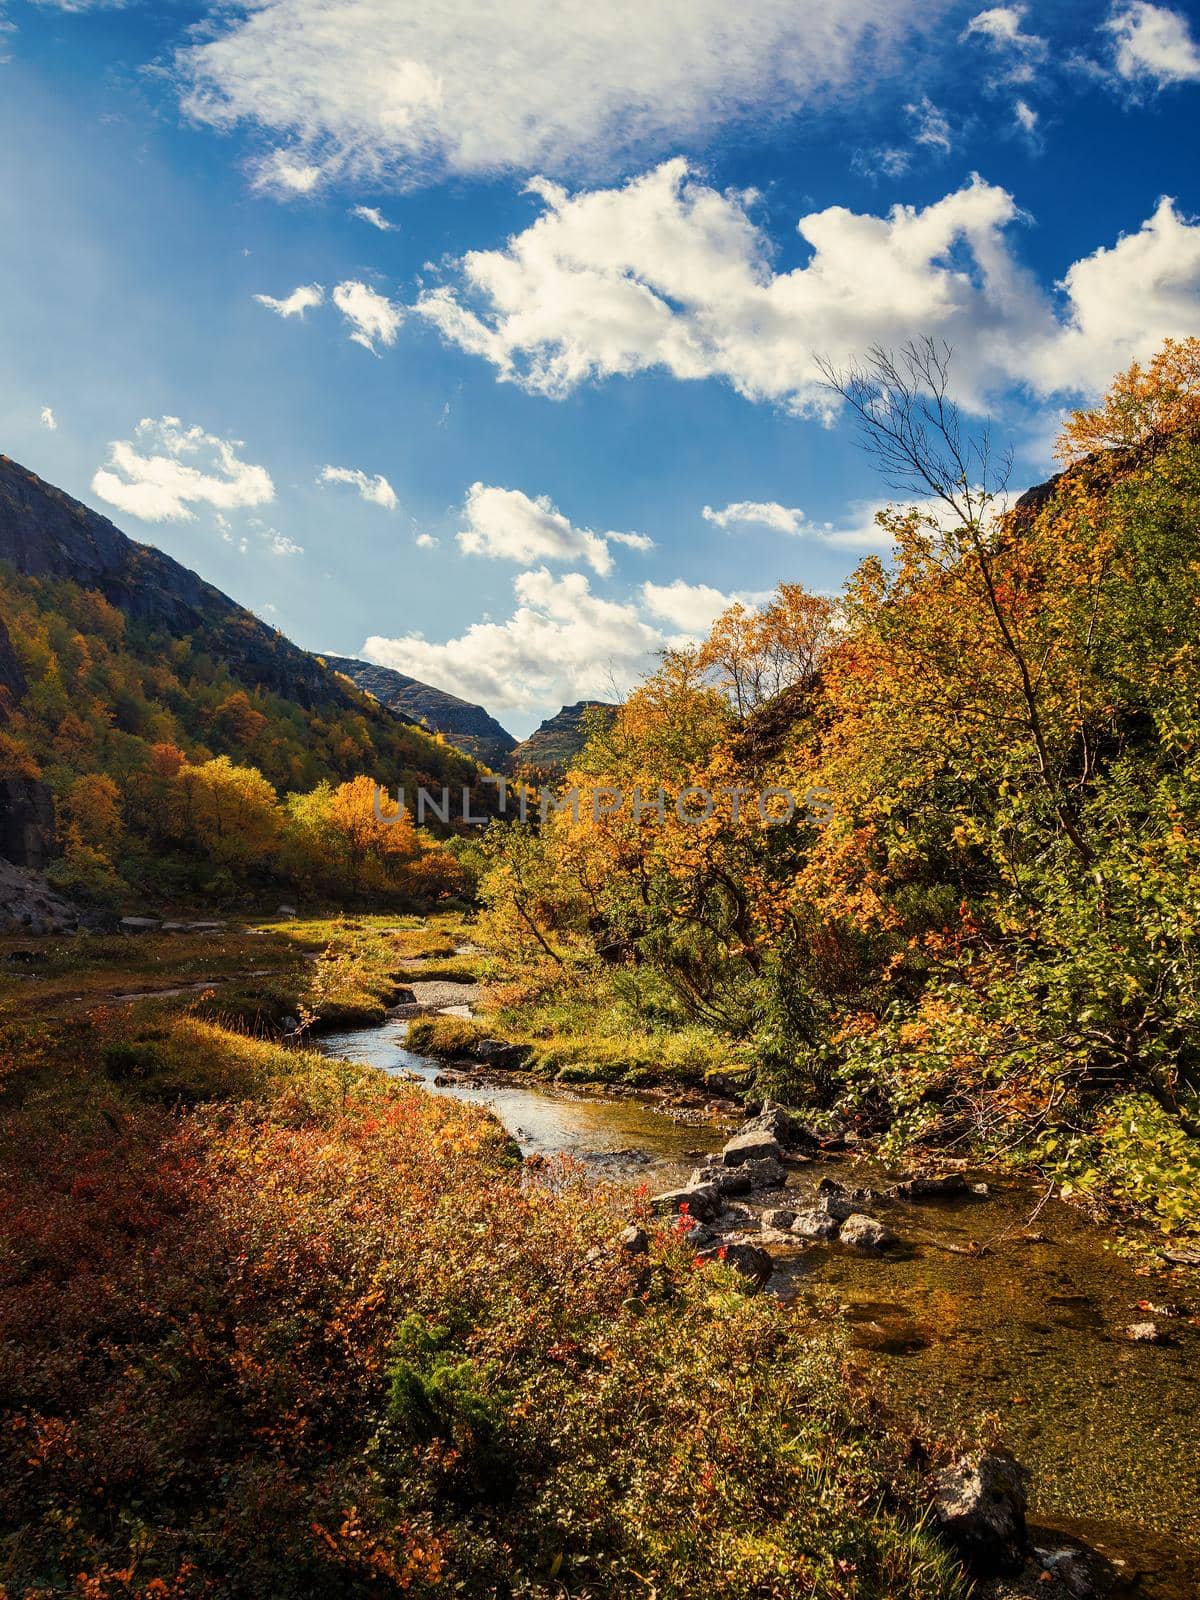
(464, 724)
(550, 749)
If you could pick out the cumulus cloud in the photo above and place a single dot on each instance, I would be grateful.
(1154, 45)
(1125, 300)
(377, 490)
(166, 469)
(508, 525)
(372, 315)
(666, 272)
(562, 643)
(861, 532)
(404, 91)
(693, 607)
(49, 420)
(765, 513)
(302, 298)
(374, 216)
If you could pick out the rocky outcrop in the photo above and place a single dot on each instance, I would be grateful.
(28, 905)
(464, 724)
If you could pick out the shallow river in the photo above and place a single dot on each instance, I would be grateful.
(1028, 1333)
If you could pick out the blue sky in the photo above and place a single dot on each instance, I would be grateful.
(504, 378)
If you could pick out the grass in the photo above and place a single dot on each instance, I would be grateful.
(272, 1324)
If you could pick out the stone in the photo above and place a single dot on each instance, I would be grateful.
(815, 1225)
(779, 1217)
(748, 1260)
(782, 1126)
(634, 1240)
(979, 1508)
(703, 1202)
(1145, 1333)
(931, 1187)
(860, 1232)
(728, 1180)
(285, 911)
(140, 925)
(764, 1174)
(754, 1146)
(1084, 1574)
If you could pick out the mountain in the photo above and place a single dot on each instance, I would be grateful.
(466, 725)
(116, 661)
(550, 749)
(45, 534)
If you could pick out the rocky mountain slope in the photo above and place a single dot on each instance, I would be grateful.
(550, 749)
(44, 533)
(465, 725)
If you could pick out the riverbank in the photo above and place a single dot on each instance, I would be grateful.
(1000, 1311)
(274, 1323)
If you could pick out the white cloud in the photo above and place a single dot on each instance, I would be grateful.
(693, 607)
(377, 490)
(301, 299)
(861, 532)
(426, 541)
(371, 314)
(403, 91)
(562, 643)
(765, 513)
(49, 420)
(278, 543)
(1000, 27)
(666, 272)
(374, 216)
(163, 486)
(1027, 117)
(510, 526)
(1153, 44)
(930, 126)
(285, 175)
(1125, 300)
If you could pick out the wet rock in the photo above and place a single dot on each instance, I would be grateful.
(751, 1262)
(1085, 1574)
(765, 1174)
(860, 1232)
(1145, 1333)
(727, 1180)
(140, 925)
(753, 1146)
(633, 1240)
(979, 1508)
(815, 1225)
(779, 1217)
(703, 1202)
(930, 1187)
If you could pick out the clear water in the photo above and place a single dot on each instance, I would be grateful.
(1023, 1339)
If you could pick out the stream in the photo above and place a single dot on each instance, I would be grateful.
(1026, 1338)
